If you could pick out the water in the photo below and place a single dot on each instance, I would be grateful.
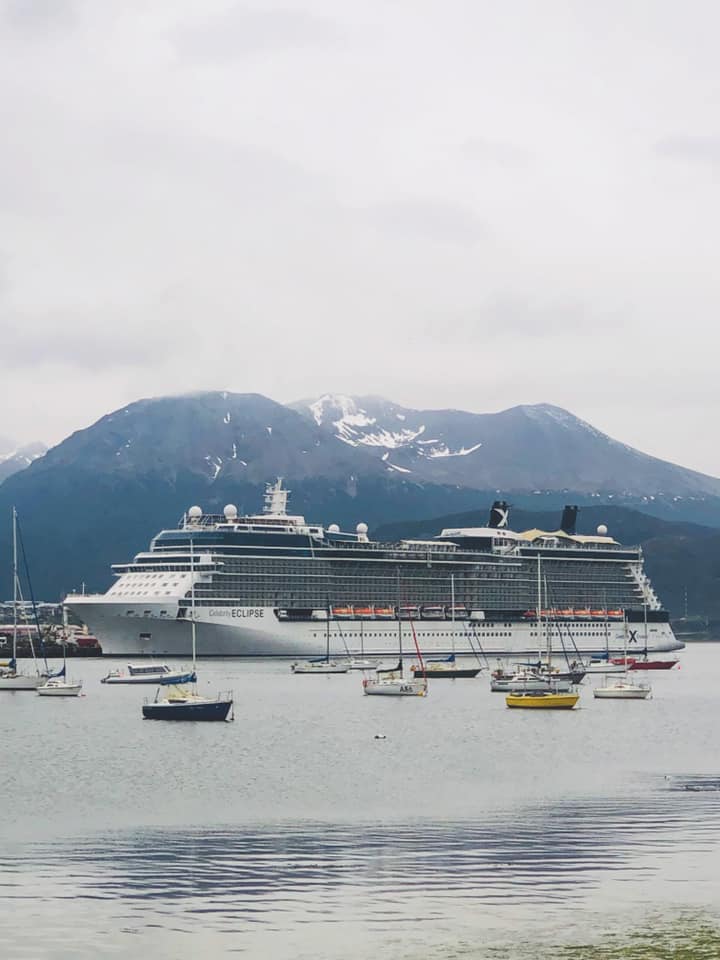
(470, 831)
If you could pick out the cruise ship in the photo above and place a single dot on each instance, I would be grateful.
(275, 585)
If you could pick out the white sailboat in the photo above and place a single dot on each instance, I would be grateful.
(322, 664)
(362, 662)
(182, 701)
(58, 685)
(10, 677)
(623, 688)
(603, 664)
(390, 682)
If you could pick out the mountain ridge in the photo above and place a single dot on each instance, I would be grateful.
(99, 496)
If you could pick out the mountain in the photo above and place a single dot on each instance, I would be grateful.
(15, 458)
(526, 448)
(682, 559)
(100, 495)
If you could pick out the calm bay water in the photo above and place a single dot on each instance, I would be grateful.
(471, 830)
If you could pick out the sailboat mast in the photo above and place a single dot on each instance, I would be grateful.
(452, 616)
(192, 601)
(399, 619)
(539, 603)
(15, 583)
(625, 633)
(327, 632)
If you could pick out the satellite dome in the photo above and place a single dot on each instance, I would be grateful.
(361, 528)
(230, 511)
(195, 513)
(602, 530)
(333, 528)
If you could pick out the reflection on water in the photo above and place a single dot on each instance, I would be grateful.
(430, 878)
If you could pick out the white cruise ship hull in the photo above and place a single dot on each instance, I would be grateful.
(257, 632)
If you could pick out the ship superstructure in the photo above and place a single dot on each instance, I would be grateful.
(266, 585)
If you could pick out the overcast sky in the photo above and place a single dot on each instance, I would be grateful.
(453, 204)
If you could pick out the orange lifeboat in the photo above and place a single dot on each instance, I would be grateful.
(342, 613)
(597, 614)
(365, 612)
(582, 614)
(566, 614)
(615, 614)
(384, 612)
(530, 614)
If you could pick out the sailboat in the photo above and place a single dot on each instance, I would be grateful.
(644, 663)
(623, 688)
(390, 682)
(10, 677)
(362, 662)
(446, 667)
(183, 702)
(602, 663)
(322, 664)
(552, 697)
(58, 685)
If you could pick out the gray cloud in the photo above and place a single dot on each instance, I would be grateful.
(702, 149)
(457, 205)
(33, 16)
(241, 31)
(433, 220)
(482, 151)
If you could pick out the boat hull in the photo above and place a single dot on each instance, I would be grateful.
(165, 678)
(308, 669)
(207, 711)
(653, 664)
(395, 688)
(21, 682)
(548, 701)
(621, 693)
(452, 673)
(66, 690)
(257, 632)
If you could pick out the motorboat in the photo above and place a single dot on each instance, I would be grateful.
(148, 673)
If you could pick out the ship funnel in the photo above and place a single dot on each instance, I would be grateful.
(569, 520)
(499, 514)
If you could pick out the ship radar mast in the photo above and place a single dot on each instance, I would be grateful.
(276, 498)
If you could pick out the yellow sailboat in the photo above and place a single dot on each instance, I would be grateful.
(543, 701)
(552, 700)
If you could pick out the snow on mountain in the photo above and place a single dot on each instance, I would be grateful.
(13, 458)
(528, 447)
